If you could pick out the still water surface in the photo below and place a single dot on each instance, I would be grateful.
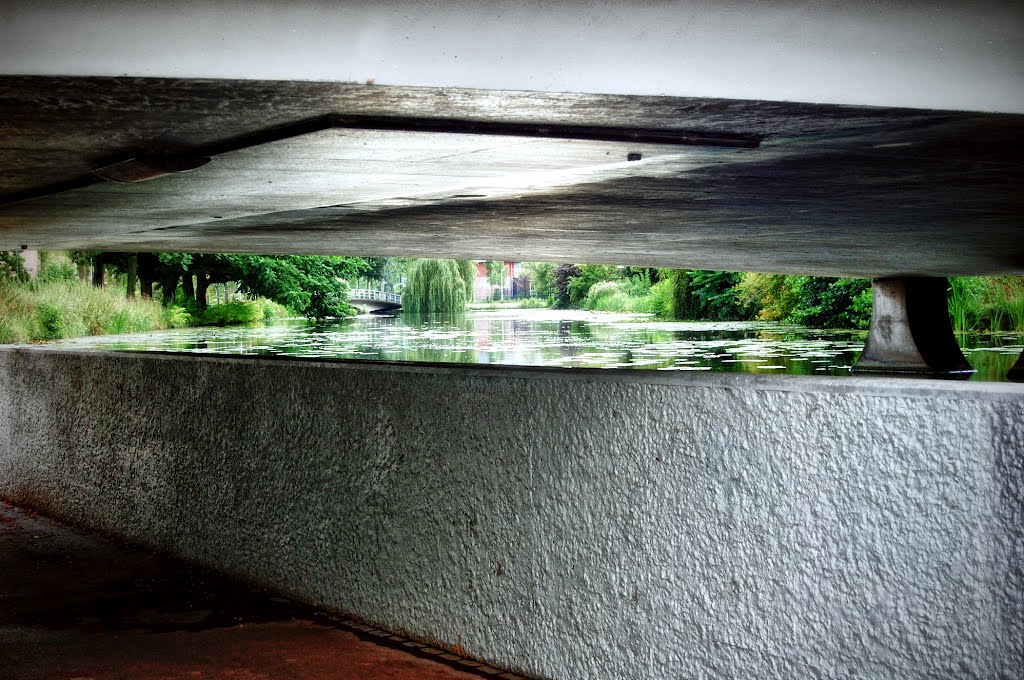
(542, 337)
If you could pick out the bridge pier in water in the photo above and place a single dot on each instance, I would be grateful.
(1016, 373)
(910, 330)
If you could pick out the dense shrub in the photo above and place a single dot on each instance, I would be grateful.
(708, 295)
(56, 266)
(177, 317)
(825, 302)
(817, 301)
(230, 313)
(561, 277)
(589, 274)
(12, 267)
(661, 299)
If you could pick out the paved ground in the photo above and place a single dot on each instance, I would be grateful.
(78, 606)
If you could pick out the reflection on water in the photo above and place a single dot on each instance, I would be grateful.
(540, 337)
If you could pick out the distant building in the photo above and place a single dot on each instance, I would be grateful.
(514, 283)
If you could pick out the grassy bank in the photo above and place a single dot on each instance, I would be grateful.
(519, 303)
(52, 310)
(63, 309)
(987, 303)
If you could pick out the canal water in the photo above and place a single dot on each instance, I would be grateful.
(543, 337)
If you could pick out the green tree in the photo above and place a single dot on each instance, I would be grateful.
(771, 295)
(542, 280)
(816, 301)
(707, 295)
(434, 287)
(496, 274)
(826, 302)
(467, 270)
(561, 277)
(589, 274)
(12, 266)
(311, 285)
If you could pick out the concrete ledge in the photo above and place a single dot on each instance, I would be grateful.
(567, 524)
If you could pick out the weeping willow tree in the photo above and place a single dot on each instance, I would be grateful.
(468, 272)
(435, 287)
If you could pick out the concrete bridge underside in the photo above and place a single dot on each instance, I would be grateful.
(303, 167)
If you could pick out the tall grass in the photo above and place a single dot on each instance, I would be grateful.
(51, 310)
(994, 303)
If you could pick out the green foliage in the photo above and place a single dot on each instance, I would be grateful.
(772, 294)
(638, 282)
(618, 296)
(661, 299)
(231, 313)
(467, 270)
(273, 311)
(16, 329)
(495, 272)
(520, 303)
(816, 301)
(56, 266)
(312, 286)
(12, 267)
(542, 279)
(136, 319)
(986, 303)
(561, 276)
(710, 295)
(825, 302)
(176, 317)
(607, 296)
(589, 274)
(49, 310)
(860, 308)
(434, 287)
(53, 322)
(532, 303)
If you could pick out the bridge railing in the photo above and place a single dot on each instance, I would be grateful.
(379, 295)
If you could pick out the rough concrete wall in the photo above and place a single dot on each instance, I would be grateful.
(581, 525)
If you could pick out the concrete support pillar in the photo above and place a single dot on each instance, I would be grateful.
(1016, 372)
(910, 330)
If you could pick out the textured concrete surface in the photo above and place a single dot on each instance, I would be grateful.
(78, 606)
(568, 524)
